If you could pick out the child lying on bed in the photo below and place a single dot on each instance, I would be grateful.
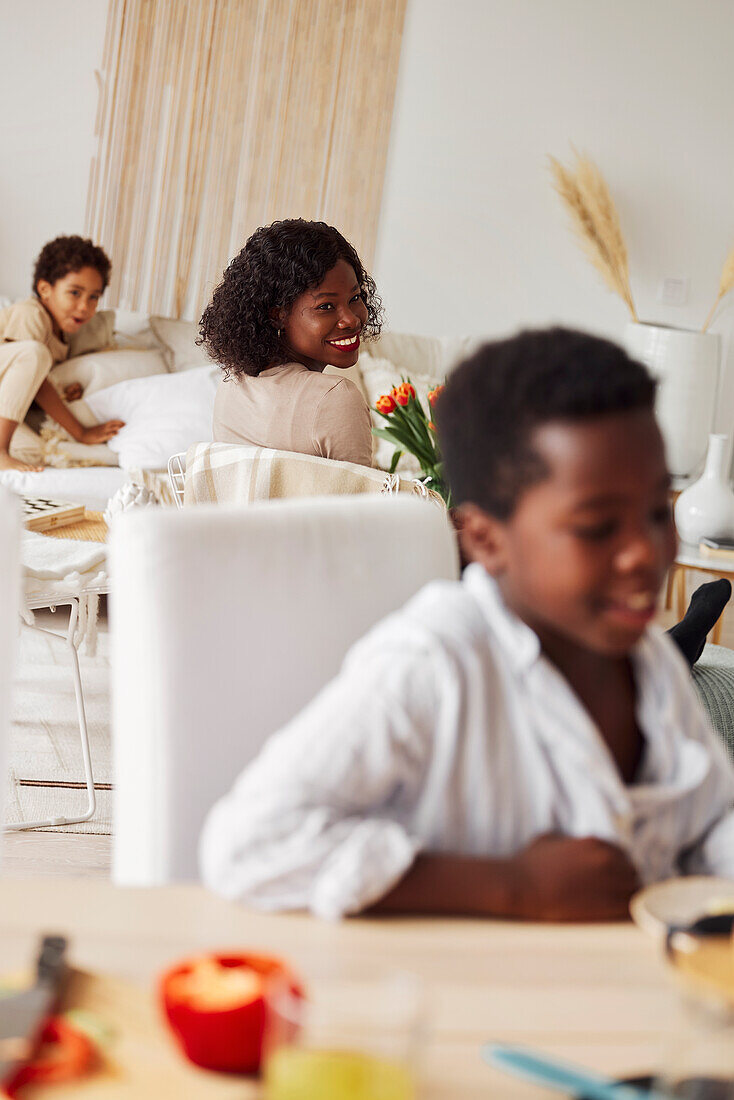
(69, 278)
(523, 742)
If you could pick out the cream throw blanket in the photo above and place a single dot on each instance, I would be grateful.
(228, 473)
(59, 568)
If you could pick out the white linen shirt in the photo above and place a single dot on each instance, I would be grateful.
(447, 730)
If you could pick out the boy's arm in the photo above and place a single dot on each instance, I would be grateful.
(555, 878)
(315, 822)
(48, 398)
(320, 819)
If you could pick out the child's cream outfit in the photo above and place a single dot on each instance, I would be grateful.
(447, 730)
(28, 350)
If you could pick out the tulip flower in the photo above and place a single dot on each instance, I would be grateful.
(410, 429)
(385, 404)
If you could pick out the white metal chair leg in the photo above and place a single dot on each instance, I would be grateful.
(73, 604)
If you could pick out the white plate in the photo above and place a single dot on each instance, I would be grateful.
(678, 901)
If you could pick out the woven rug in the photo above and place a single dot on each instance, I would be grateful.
(91, 529)
(46, 769)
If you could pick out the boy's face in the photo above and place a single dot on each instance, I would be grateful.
(584, 553)
(73, 299)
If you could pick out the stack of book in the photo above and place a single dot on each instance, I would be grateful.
(723, 549)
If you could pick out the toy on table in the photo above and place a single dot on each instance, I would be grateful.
(42, 513)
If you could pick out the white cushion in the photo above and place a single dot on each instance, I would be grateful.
(164, 414)
(132, 330)
(422, 356)
(95, 334)
(178, 341)
(100, 369)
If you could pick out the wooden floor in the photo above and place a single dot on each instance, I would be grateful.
(61, 853)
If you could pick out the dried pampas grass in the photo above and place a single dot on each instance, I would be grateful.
(726, 283)
(594, 217)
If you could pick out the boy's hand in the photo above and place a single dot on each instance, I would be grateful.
(562, 878)
(73, 391)
(100, 433)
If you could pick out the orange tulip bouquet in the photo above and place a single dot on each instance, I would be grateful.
(410, 429)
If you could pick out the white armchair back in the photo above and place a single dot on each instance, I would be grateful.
(225, 622)
(9, 607)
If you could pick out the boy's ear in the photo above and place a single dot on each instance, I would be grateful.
(43, 289)
(483, 538)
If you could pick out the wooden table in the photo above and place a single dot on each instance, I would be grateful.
(596, 994)
(690, 557)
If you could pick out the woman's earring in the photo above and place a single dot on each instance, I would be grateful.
(278, 332)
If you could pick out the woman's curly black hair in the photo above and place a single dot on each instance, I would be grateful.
(64, 254)
(278, 263)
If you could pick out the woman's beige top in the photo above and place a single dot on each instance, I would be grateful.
(290, 408)
(29, 320)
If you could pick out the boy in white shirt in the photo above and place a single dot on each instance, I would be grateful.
(522, 743)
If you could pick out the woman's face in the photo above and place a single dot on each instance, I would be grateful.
(323, 326)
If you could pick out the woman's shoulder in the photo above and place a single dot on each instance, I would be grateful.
(342, 391)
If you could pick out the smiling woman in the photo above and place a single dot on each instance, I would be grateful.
(295, 300)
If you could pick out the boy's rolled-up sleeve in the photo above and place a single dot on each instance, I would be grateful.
(320, 820)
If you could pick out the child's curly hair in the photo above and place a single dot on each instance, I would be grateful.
(278, 263)
(64, 254)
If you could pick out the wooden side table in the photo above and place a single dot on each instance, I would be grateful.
(690, 557)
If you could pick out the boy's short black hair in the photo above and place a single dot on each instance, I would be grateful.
(64, 254)
(495, 399)
(278, 263)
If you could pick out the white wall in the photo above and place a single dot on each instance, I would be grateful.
(48, 54)
(472, 237)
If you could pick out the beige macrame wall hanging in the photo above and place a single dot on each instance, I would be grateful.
(217, 116)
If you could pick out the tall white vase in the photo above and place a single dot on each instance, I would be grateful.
(686, 365)
(706, 508)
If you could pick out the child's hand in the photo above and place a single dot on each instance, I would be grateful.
(562, 878)
(73, 391)
(100, 433)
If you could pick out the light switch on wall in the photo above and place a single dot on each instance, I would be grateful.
(674, 290)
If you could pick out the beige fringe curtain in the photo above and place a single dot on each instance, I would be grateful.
(217, 116)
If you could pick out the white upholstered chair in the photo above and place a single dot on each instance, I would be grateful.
(9, 606)
(225, 622)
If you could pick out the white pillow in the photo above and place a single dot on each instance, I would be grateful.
(178, 341)
(100, 369)
(94, 335)
(380, 375)
(421, 356)
(164, 414)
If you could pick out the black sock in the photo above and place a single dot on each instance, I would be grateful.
(707, 603)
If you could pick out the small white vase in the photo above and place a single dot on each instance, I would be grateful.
(686, 365)
(706, 508)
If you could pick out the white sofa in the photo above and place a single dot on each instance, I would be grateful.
(158, 381)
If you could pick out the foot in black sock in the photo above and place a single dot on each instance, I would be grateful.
(707, 603)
